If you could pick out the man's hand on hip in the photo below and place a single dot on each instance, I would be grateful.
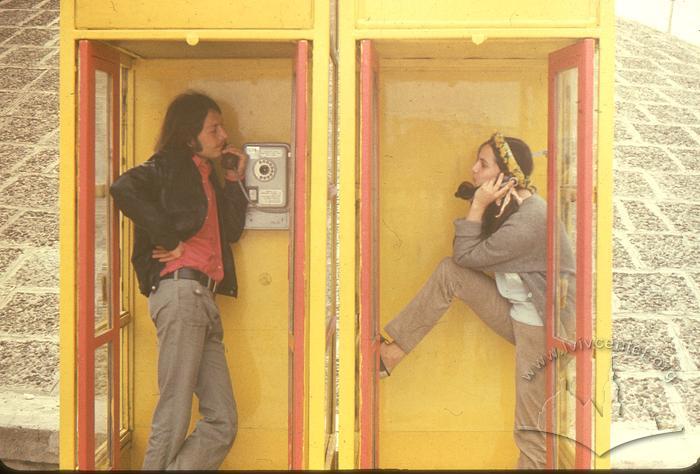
(162, 255)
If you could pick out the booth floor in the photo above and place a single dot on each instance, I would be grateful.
(656, 258)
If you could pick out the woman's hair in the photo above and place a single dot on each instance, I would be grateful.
(184, 120)
(523, 156)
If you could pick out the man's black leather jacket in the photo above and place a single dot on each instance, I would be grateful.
(165, 199)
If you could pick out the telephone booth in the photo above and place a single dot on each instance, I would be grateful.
(429, 82)
(266, 63)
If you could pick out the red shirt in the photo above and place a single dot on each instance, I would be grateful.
(203, 250)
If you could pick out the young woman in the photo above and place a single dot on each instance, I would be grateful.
(504, 232)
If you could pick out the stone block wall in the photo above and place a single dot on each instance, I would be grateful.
(656, 260)
(29, 232)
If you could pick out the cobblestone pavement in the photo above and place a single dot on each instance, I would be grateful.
(29, 230)
(656, 240)
(656, 260)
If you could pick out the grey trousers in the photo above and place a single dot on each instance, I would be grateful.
(481, 294)
(191, 360)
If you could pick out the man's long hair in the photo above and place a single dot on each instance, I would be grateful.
(183, 122)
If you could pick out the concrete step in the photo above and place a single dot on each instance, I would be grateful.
(29, 430)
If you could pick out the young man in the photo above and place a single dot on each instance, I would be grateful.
(184, 222)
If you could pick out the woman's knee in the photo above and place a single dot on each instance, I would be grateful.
(450, 271)
(447, 266)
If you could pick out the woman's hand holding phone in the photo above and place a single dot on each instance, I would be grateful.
(491, 191)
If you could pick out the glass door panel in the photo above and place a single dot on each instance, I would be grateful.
(569, 247)
(331, 380)
(369, 261)
(103, 146)
(98, 295)
(103, 397)
(565, 417)
(566, 190)
(124, 388)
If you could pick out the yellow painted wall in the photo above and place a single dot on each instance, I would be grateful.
(262, 14)
(255, 97)
(450, 403)
(508, 13)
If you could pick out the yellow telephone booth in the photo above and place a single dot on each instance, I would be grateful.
(430, 81)
(266, 63)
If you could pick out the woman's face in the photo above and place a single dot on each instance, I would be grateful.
(485, 167)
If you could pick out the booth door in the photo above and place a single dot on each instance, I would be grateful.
(569, 294)
(100, 315)
(298, 289)
(369, 261)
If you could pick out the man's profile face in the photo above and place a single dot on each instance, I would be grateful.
(212, 138)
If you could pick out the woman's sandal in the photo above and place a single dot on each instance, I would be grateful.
(383, 371)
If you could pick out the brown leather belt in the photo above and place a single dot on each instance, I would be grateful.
(191, 274)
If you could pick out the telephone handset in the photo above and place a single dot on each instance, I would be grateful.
(229, 161)
(466, 190)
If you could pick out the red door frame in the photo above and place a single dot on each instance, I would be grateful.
(98, 57)
(297, 412)
(94, 57)
(369, 263)
(579, 56)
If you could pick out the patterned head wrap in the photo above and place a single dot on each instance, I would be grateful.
(516, 174)
(511, 163)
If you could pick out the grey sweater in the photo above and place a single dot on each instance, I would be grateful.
(518, 246)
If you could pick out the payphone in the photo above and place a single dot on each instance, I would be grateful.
(267, 185)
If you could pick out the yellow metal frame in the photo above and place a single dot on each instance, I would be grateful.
(347, 126)
(350, 31)
(215, 14)
(314, 453)
(67, 239)
(603, 282)
(318, 231)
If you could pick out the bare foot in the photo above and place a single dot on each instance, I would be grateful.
(391, 355)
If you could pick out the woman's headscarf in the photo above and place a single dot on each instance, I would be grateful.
(515, 173)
